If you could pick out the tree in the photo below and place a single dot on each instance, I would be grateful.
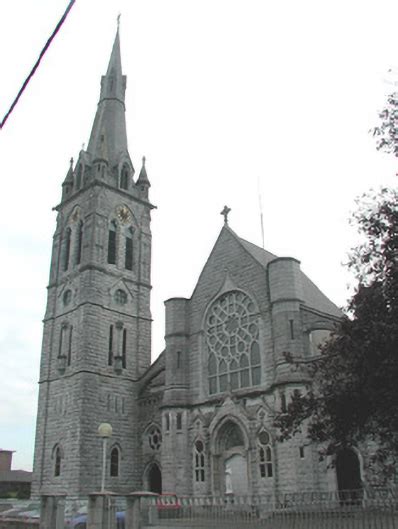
(386, 134)
(354, 395)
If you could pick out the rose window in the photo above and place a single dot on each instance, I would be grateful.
(232, 339)
(154, 438)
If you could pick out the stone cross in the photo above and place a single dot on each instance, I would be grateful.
(225, 212)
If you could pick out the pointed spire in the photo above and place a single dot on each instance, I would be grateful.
(110, 121)
(69, 174)
(143, 177)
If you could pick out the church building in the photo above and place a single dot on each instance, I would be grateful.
(199, 420)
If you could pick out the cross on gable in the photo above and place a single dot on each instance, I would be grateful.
(225, 212)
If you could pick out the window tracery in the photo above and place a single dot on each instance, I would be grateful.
(120, 297)
(265, 454)
(232, 337)
(154, 438)
(199, 461)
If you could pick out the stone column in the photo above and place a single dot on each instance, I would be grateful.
(101, 511)
(52, 512)
(134, 509)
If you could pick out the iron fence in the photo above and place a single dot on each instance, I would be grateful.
(353, 509)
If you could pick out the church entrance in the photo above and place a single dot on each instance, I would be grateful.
(230, 461)
(236, 482)
(348, 473)
(154, 479)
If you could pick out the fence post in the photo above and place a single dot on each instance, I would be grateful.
(52, 511)
(101, 512)
(60, 516)
(134, 508)
(47, 512)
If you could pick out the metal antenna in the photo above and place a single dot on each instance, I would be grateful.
(260, 202)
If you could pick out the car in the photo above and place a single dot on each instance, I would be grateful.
(80, 522)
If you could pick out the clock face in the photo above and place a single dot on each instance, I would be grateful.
(123, 214)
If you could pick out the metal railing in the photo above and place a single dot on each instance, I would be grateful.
(353, 509)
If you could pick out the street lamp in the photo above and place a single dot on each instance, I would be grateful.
(104, 431)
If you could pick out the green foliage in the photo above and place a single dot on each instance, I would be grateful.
(386, 134)
(354, 397)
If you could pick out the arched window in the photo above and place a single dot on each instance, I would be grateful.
(199, 461)
(120, 297)
(110, 346)
(179, 421)
(67, 297)
(265, 454)
(124, 349)
(57, 461)
(128, 260)
(79, 242)
(283, 403)
(112, 243)
(79, 176)
(178, 359)
(115, 462)
(67, 240)
(70, 345)
(124, 177)
(232, 337)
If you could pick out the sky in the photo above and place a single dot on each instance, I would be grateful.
(230, 101)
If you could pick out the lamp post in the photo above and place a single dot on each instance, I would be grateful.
(104, 431)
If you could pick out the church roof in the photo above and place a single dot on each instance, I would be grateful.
(313, 297)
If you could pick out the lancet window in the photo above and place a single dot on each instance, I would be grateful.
(124, 177)
(199, 461)
(128, 258)
(66, 253)
(79, 243)
(112, 243)
(57, 460)
(265, 454)
(114, 466)
(232, 338)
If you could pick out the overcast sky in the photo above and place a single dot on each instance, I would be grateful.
(226, 99)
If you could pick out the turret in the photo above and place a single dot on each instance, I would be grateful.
(67, 184)
(143, 183)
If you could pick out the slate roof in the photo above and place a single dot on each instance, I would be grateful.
(313, 297)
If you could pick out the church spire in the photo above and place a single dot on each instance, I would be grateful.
(108, 134)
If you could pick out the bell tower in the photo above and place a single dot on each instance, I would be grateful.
(97, 325)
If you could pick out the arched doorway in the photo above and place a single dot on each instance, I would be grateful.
(230, 460)
(155, 479)
(348, 473)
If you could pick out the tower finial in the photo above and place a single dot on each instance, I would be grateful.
(118, 21)
(143, 161)
(225, 212)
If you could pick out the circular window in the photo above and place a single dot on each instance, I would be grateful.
(263, 437)
(154, 438)
(232, 336)
(120, 297)
(67, 297)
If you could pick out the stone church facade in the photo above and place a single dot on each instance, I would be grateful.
(199, 419)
